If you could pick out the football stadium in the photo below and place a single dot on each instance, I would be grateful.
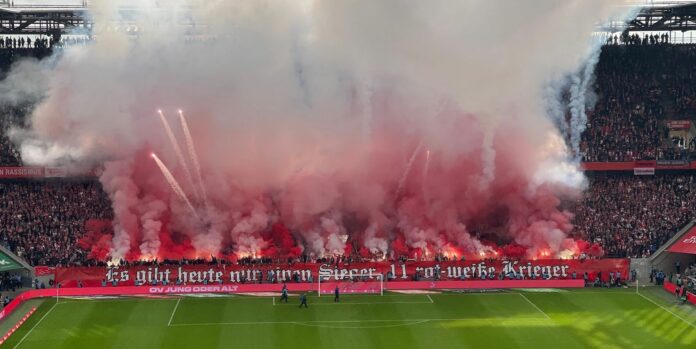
(347, 174)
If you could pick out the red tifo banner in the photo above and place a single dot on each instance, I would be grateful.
(232, 274)
(679, 124)
(642, 166)
(685, 244)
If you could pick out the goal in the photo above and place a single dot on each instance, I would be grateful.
(358, 284)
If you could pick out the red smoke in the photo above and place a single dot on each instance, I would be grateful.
(435, 142)
(97, 238)
(280, 243)
(393, 196)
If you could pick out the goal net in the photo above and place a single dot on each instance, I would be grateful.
(357, 284)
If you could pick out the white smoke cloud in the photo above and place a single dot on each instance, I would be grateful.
(313, 109)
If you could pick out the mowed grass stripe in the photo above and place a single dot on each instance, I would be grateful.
(617, 321)
(578, 320)
(501, 306)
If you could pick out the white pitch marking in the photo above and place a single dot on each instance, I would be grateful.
(133, 299)
(378, 326)
(669, 311)
(273, 300)
(430, 298)
(535, 306)
(36, 324)
(174, 312)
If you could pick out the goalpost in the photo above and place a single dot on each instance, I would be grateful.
(358, 284)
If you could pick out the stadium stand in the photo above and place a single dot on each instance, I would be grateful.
(10, 116)
(24, 42)
(43, 220)
(639, 88)
(632, 216)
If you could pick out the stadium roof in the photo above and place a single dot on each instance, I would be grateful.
(71, 16)
(51, 16)
(666, 17)
(19, 6)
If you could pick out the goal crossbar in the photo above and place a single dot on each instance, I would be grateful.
(357, 284)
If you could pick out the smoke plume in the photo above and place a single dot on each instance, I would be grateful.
(314, 121)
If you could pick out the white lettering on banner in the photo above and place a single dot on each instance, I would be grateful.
(691, 240)
(21, 171)
(474, 270)
(150, 274)
(327, 273)
(113, 274)
(454, 272)
(193, 289)
(235, 276)
(305, 275)
(644, 171)
(324, 272)
(529, 270)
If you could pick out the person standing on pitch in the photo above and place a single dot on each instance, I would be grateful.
(336, 293)
(303, 300)
(284, 293)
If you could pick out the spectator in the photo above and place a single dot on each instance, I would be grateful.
(632, 216)
(639, 87)
(43, 220)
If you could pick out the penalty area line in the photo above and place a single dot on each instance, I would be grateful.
(35, 325)
(535, 306)
(667, 310)
(173, 312)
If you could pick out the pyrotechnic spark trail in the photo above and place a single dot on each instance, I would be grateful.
(402, 181)
(425, 174)
(173, 183)
(179, 153)
(193, 155)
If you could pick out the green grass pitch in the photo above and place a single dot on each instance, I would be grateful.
(564, 319)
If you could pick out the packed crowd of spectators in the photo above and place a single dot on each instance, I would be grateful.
(41, 221)
(15, 47)
(245, 261)
(629, 216)
(632, 216)
(24, 42)
(9, 155)
(10, 281)
(635, 39)
(689, 278)
(639, 88)
(40, 42)
(10, 116)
